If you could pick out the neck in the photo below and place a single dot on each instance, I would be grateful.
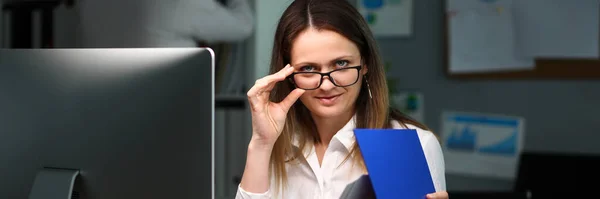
(327, 127)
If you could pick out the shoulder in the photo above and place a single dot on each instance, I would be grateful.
(425, 136)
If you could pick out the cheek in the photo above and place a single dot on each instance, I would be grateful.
(305, 98)
(353, 91)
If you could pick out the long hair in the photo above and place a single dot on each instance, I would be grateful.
(343, 18)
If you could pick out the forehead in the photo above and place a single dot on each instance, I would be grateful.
(322, 46)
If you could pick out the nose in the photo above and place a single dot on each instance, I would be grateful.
(327, 84)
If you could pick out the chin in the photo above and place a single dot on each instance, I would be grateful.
(327, 112)
(323, 111)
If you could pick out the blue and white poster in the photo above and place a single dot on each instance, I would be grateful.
(486, 145)
(388, 17)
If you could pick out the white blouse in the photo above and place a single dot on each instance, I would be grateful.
(309, 180)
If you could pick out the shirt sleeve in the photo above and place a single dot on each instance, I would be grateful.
(210, 21)
(243, 194)
(435, 161)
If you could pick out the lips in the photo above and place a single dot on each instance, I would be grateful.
(328, 100)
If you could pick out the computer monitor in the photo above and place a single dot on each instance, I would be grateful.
(136, 123)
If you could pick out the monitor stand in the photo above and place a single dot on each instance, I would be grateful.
(54, 183)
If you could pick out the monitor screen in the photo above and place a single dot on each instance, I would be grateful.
(135, 123)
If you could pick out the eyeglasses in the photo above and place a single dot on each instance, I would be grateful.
(339, 77)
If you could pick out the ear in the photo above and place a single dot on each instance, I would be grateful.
(365, 70)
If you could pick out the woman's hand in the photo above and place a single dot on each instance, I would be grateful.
(268, 118)
(438, 195)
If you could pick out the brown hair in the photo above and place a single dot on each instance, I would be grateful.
(341, 17)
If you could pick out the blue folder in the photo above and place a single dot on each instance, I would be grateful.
(396, 163)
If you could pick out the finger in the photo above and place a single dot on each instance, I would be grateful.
(258, 87)
(285, 71)
(438, 195)
(255, 94)
(280, 75)
(263, 86)
(287, 103)
(267, 83)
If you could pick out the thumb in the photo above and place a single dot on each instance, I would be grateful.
(287, 103)
(438, 195)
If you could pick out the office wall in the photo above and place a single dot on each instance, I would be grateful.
(560, 115)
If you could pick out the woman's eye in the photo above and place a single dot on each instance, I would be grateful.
(342, 63)
(307, 68)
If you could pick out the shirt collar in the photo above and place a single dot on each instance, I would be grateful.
(346, 134)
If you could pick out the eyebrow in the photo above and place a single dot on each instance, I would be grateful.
(333, 60)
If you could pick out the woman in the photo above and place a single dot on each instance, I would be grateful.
(324, 55)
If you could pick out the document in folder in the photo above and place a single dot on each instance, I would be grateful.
(396, 163)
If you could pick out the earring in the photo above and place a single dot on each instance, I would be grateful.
(368, 87)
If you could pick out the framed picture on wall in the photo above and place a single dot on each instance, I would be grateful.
(388, 18)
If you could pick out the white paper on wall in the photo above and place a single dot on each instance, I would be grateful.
(482, 37)
(558, 28)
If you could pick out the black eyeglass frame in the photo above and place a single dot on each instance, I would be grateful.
(328, 74)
